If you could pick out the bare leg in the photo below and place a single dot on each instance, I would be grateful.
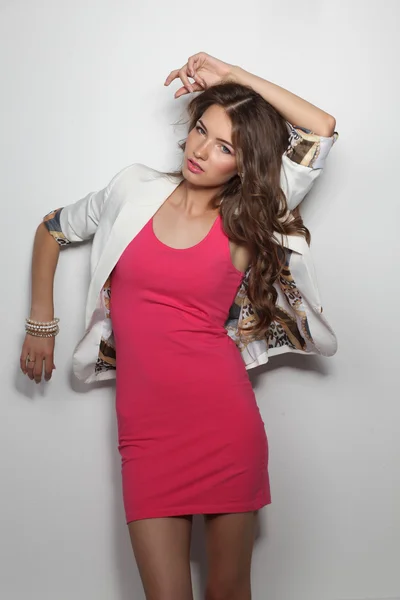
(162, 551)
(229, 543)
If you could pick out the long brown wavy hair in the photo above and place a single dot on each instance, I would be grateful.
(252, 204)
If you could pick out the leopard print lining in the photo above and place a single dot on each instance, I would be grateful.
(52, 223)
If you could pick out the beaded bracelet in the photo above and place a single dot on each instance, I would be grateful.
(42, 329)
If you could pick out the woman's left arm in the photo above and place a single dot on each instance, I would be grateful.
(294, 109)
(207, 70)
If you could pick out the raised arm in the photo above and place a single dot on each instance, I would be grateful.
(294, 109)
(207, 70)
(311, 131)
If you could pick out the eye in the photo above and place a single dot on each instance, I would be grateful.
(199, 129)
(225, 148)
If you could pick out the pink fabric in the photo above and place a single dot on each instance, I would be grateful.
(191, 437)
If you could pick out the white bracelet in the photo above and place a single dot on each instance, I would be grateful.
(42, 328)
(53, 322)
(44, 335)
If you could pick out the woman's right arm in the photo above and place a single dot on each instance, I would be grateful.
(45, 255)
(73, 223)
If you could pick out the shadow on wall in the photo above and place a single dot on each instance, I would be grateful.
(318, 365)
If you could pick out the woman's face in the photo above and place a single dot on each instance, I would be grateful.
(209, 158)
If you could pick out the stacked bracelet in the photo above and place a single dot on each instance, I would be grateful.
(42, 329)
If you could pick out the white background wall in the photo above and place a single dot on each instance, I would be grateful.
(81, 97)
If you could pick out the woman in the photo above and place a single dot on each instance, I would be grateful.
(217, 247)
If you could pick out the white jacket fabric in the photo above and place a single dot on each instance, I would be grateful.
(113, 216)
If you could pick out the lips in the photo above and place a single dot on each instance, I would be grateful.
(195, 164)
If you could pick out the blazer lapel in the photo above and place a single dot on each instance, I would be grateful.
(132, 217)
(147, 195)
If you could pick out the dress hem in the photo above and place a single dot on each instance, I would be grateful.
(197, 510)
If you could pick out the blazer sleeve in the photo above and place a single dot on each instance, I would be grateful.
(302, 163)
(78, 221)
(303, 307)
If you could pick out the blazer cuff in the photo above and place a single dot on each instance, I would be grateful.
(307, 148)
(53, 224)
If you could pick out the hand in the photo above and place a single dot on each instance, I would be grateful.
(39, 350)
(204, 69)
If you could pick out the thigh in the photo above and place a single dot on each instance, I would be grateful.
(162, 551)
(229, 544)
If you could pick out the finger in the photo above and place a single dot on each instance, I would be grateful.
(182, 91)
(199, 80)
(194, 63)
(22, 361)
(173, 75)
(30, 365)
(184, 78)
(48, 367)
(38, 369)
(29, 369)
(191, 65)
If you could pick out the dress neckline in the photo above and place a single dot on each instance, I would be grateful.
(189, 247)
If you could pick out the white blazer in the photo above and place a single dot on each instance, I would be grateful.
(114, 215)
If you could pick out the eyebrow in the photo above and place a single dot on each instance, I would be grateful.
(219, 139)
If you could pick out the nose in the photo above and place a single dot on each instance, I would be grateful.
(201, 151)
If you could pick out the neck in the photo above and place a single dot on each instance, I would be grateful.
(195, 200)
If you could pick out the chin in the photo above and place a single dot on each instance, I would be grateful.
(193, 177)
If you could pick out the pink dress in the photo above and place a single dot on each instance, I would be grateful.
(191, 437)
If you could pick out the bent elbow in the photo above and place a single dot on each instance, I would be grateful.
(330, 127)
